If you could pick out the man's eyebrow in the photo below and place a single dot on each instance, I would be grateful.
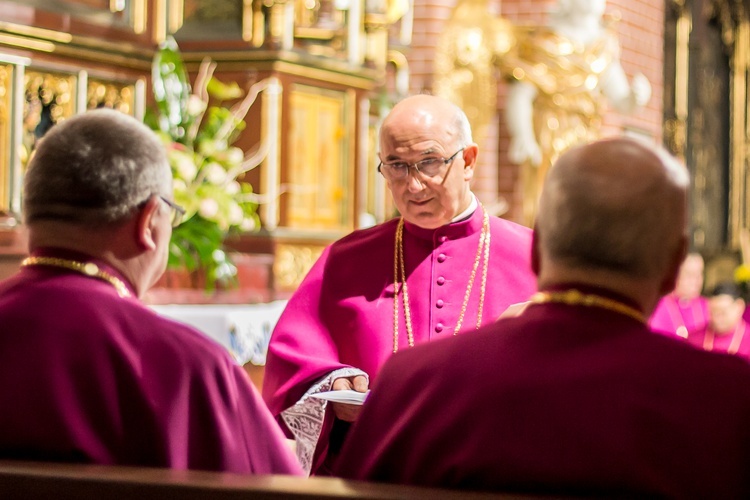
(394, 157)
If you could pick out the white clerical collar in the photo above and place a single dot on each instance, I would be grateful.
(469, 210)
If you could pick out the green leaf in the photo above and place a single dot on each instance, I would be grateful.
(223, 91)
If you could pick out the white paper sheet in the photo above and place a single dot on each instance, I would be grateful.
(347, 396)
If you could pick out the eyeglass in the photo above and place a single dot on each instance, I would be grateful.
(177, 211)
(429, 167)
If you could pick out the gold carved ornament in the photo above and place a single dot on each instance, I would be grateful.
(568, 106)
(464, 60)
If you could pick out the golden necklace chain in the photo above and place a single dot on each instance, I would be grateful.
(576, 298)
(399, 278)
(88, 268)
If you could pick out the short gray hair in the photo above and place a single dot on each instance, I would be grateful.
(95, 168)
(463, 128)
(617, 204)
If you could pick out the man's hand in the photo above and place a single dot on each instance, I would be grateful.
(343, 411)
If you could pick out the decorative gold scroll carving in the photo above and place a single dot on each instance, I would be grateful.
(464, 60)
(320, 28)
(101, 94)
(292, 263)
(49, 98)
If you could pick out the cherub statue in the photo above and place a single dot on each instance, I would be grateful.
(561, 76)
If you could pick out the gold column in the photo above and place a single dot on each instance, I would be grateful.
(15, 150)
(6, 113)
(271, 135)
(682, 61)
(376, 29)
(740, 134)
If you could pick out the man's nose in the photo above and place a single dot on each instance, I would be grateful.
(414, 179)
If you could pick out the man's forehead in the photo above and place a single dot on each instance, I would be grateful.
(410, 146)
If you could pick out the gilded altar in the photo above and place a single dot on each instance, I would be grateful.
(59, 58)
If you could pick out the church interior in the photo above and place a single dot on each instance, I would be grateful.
(337, 69)
(311, 82)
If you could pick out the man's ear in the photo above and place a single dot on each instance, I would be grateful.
(145, 224)
(470, 160)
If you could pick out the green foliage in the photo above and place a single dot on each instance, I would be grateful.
(171, 89)
(198, 136)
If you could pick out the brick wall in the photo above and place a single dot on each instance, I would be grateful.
(641, 35)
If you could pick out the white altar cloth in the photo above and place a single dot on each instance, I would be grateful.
(243, 329)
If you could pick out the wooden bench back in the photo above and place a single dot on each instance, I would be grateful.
(41, 480)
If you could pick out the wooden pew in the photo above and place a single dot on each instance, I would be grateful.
(41, 480)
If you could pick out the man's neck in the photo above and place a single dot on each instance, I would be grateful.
(67, 236)
(101, 244)
(640, 291)
(466, 213)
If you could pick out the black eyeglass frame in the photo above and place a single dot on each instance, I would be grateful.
(415, 165)
(177, 211)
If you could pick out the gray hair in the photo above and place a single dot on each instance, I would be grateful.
(95, 168)
(616, 205)
(463, 128)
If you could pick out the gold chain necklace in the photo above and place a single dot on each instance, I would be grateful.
(88, 268)
(399, 277)
(576, 298)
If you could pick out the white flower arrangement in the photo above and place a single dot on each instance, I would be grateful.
(199, 133)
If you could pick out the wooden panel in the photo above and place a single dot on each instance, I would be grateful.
(318, 159)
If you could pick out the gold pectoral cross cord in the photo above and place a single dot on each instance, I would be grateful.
(400, 285)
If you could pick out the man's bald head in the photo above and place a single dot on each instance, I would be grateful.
(425, 127)
(431, 112)
(618, 206)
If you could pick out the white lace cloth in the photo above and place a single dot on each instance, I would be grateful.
(305, 418)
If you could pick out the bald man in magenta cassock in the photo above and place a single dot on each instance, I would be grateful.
(444, 267)
(575, 395)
